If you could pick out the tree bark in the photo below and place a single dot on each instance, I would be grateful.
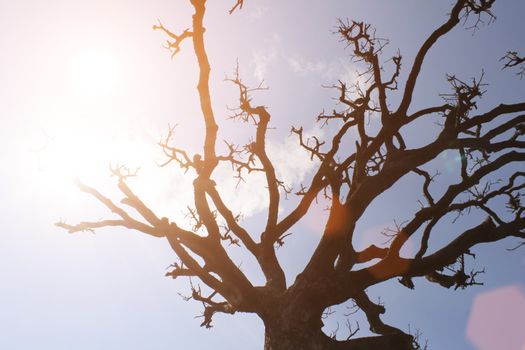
(282, 335)
(294, 338)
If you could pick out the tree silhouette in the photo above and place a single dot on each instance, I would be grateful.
(352, 172)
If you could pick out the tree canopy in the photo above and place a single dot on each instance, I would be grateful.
(370, 145)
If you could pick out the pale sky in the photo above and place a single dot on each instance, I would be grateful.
(88, 83)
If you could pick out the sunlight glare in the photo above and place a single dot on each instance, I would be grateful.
(93, 73)
(82, 149)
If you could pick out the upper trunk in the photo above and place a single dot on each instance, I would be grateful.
(297, 326)
(295, 338)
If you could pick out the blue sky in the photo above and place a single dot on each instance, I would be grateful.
(61, 117)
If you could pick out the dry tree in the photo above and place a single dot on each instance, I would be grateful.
(352, 172)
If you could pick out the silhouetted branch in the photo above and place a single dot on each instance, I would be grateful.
(211, 307)
(511, 60)
(175, 154)
(372, 312)
(238, 4)
(173, 46)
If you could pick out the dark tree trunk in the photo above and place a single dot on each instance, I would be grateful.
(295, 322)
(294, 337)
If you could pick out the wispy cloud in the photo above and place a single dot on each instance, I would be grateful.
(302, 65)
(250, 196)
(258, 12)
(337, 68)
(331, 70)
(291, 161)
(261, 61)
(168, 191)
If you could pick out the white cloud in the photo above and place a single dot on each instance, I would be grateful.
(263, 59)
(302, 65)
(335, 69)
(168, 191)
(292, 163)
(247, 197)
(346, 71)
(258, 12)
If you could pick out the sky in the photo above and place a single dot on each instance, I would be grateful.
(85, 84)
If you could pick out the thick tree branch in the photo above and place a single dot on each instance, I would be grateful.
(453, 20)
(393, 266)
(211, 129)
(173, 46)
(372, 312)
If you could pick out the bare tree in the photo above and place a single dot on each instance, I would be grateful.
(351, 174)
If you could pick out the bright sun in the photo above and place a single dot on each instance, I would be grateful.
(85, 140)
(90, 130)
